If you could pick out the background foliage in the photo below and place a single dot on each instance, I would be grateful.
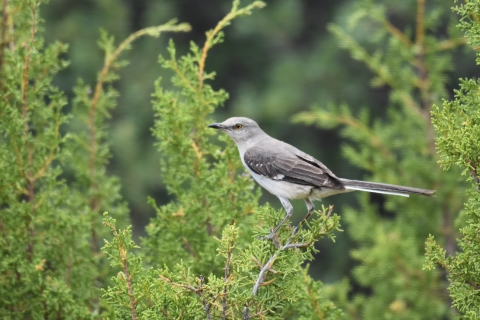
(399, 149)
(58, 174)
(272, 64)
(457, 125)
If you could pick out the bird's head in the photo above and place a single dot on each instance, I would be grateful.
(240, 129)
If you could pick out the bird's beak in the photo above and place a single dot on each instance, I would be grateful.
(216, 126)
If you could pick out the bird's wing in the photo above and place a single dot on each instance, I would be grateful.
(288, 165)
(308, 158)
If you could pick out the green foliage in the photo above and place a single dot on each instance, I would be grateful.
(206, 248)
(186, 229)
(204, 255)
(311, 302)
(457, 123)
(42, 243)
(93, 191)
(399, 149)
(50, 266)
(179, 292)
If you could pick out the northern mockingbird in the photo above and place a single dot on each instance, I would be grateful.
(289, 173)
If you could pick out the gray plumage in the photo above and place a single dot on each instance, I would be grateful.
(290, 173)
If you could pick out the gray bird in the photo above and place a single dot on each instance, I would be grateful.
(289, 173)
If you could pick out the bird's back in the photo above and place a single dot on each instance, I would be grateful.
(280, 161)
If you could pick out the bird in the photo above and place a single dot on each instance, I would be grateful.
(289, 173)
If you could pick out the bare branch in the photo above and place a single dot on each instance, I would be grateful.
(262, 275)
(245, 315)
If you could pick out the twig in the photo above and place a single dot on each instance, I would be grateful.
(474, 285)
(109, 60)
(261, 275)
(225, 280)
(288, 245)
(175, 284)
(123, 255)
(11, 43)
(397, 33)
(2, 36)
(312, 297)
(129, 286)
(448, 44)
(424, 84)
(474, 174)
(28, 175)
(420, 30)
(235, 12)
(245, 315)
(198, 291)
(206, 306)
(122, 247)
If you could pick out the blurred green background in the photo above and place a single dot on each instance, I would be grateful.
(274, 64)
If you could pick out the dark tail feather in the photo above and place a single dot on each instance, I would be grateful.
(384, 188)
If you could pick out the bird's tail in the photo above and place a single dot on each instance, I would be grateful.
(384, 188)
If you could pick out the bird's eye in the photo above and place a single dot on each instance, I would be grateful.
(238, 126)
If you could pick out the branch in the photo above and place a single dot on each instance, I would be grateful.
(175, 284)
(212, 34)
(129, 284)
(312, 297)
(206, 306)
(2, 37)
(261, 275)
(420, 30)
(109, 59)
(245, 315)
(51, 155)
(286, 246)
(474, 173)
(27, 175)
(268, 266)
(448, 44)
(425, 82)
(397, 33)
(198, 291)
(128, 277)
(474, 285)
(225, 280)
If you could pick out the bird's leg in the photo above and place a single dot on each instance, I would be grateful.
(289, 209)
(311, 208)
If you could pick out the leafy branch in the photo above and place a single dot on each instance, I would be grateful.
(215, 36)
(323, 225)
(106, 76)
(117, 250)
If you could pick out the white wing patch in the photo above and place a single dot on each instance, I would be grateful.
(279, 177)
